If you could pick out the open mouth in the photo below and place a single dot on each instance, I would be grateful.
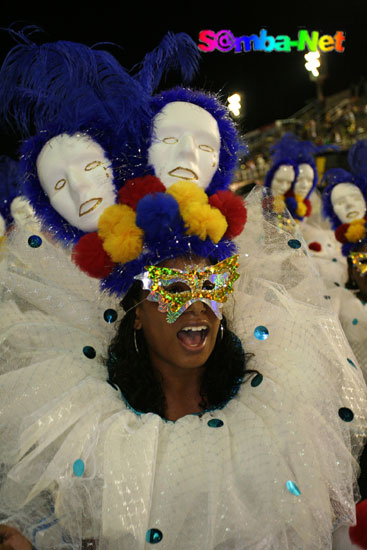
(183, 173)
(353, 214)
(89, 205)
(193, 338)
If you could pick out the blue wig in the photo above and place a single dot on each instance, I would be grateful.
(9, 186)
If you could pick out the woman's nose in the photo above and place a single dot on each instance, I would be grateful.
(197, 307)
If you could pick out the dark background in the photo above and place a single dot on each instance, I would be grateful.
(273, 85)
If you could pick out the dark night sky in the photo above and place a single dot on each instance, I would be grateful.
(274, 85)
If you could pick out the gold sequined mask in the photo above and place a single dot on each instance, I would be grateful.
(175, 289)
(359, 260)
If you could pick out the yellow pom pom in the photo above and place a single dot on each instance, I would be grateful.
(301, 209)
(122, 238)
(111, 219)
(205, 221)
(126, 246)
(356, 231)
(187, 192)
(278, 204)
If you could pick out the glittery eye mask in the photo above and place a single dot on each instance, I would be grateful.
(359, 260)
(175, 289)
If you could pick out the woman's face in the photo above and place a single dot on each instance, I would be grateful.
(189, 341)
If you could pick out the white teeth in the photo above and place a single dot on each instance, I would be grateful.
(194, 329)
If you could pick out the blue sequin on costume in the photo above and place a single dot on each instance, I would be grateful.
(110, 315)
(154, 536)
(89, 352)
(78, 467)
(346, 414)
(292, 488)
(261, 332)
(34, 241)
(294, 243)
(215, 423)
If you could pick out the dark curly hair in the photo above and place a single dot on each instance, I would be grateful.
(140, 384)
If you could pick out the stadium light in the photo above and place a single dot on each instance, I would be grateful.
(234, 104)
(313, 63)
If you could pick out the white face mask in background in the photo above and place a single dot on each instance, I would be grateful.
(282, 180)
(348, 202)
(304, 181)
(77, 177)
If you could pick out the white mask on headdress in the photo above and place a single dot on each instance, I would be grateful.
(348, 202)
(185, 144)
(77, 177)
(21, 211)
(282, 180)
(304, 182)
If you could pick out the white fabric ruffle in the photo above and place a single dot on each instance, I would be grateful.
(274, 469)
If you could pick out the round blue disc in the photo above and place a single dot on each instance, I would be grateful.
(35, 241)
(261, 332)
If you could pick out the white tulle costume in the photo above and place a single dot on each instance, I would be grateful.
(274, 469)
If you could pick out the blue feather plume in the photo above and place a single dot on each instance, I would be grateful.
(69, 84)
(175, 52)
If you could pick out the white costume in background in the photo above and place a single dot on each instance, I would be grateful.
(275, 469)
(352, 313)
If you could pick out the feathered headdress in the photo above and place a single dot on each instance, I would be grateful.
(149, 222)
(291, 150)
(354, 234)
(64, 87)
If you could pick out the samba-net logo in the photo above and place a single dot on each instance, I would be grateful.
(225, 41)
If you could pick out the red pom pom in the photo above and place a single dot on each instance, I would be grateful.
(358, 533)
(315, 246)
(233, 209)
(340, 232)
(89, 255)
(134, 190)
(308, 204)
